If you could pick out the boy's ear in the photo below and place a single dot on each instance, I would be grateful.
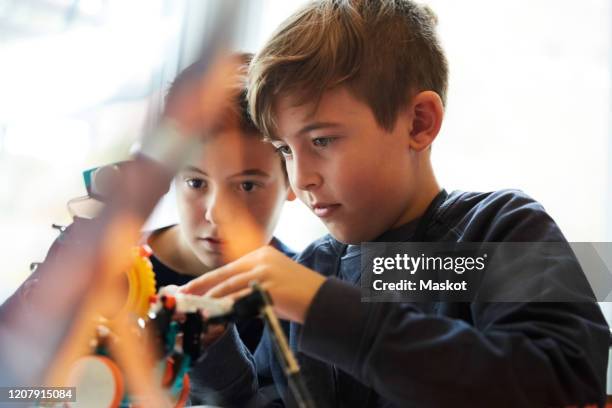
(290, 194)
(426, 113)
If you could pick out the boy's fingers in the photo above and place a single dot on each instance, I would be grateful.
(204, 283)
(201, 285)
(240, 294)
(234, 284)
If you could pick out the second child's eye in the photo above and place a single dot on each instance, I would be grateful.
(247, 186)
(196, 183)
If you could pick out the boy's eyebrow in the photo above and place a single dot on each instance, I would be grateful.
(316, 125)
(308, 128)
(251, 172)
(194, 169)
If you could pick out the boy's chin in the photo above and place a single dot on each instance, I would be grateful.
(213, 261)
(349, 236)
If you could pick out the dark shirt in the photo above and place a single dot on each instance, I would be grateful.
(460, 354)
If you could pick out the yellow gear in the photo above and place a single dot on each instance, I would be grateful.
(141, 282)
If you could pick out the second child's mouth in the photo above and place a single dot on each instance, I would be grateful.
(212, 243)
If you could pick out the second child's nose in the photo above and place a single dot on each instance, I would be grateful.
(217, 208)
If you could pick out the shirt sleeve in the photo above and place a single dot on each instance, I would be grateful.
(225, 375)
(229, 375)
(527, 354)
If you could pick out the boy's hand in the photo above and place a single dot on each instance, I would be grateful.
(291, 285)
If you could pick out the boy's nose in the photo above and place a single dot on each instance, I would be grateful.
(304, 175)
(216, 211)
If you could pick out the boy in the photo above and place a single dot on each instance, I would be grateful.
(352, 94)
(229, 196)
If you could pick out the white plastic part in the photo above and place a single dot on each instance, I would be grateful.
(98, 382)
(185, 303)
(212, 307)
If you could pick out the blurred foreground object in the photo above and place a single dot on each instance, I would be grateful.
(99, 379)
(39, 343)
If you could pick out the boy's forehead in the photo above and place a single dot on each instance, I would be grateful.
(335, 107)
(231, 149)
(228, 136)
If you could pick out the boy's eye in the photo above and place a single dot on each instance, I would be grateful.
(248, 186)
(322, 141)
(283, 150)
(196, 183)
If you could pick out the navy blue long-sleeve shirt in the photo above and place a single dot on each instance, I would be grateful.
(461, 354)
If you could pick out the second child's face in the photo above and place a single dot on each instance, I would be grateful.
(230, 197)
(354, 175)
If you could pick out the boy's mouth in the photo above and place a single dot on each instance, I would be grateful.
(212, 243)
(324, 210)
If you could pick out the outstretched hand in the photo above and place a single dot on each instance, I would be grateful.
(290, 285)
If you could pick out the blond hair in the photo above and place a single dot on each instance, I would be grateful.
(382, 50)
